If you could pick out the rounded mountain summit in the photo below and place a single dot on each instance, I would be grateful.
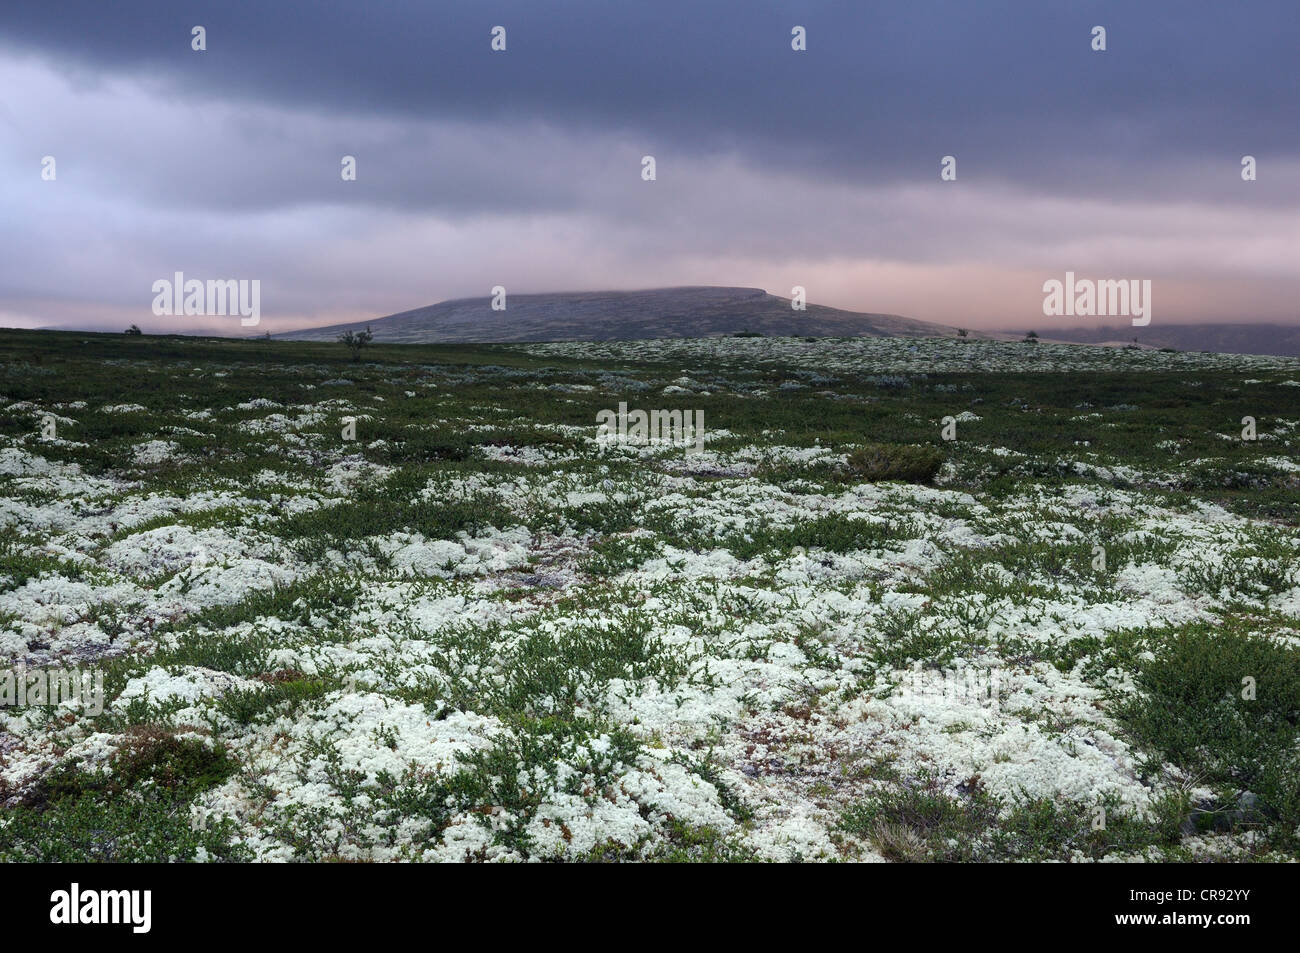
(690, 312)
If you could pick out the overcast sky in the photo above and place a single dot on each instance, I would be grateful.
(522, 168)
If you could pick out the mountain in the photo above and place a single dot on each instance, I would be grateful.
(1278, 339)
(625, 315)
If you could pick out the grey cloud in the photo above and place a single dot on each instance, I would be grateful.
(1011, 87)
(524, 167)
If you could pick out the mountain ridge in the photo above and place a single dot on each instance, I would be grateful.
(678, 312)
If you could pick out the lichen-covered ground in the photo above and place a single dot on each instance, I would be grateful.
(480, 632)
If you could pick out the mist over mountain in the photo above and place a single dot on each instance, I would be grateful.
(1276, 339)
(687, 312)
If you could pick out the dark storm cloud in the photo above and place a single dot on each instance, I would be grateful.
(1011, 88)
(775, 168)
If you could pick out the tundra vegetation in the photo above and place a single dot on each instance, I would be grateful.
(477, 632)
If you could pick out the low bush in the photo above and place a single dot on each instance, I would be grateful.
(909, 463)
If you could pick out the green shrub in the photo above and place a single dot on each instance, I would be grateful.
(923, 821)
(908, 463)
(1189, 707)
(138, 810)
(146, 756)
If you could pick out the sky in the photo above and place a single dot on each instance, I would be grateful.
(522, 168)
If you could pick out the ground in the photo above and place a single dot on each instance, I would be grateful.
(480, 630)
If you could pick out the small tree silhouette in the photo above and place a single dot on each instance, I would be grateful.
(1031, 337)
(133, 330)
(356, 340)
(961, 332)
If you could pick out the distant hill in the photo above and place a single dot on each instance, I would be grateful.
(626, 315)
(1279, 339)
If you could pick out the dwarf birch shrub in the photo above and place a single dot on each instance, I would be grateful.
(877, 462)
